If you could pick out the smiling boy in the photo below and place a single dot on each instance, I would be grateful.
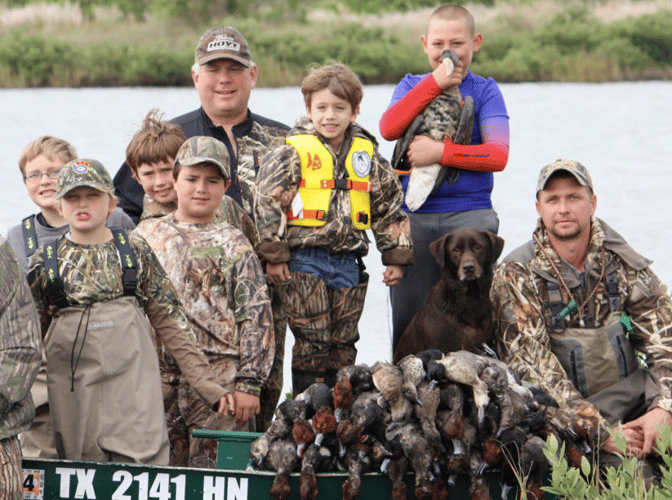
(465, 202)
(317, 196)
(221, 285)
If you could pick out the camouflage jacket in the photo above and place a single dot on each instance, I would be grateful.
(92, 273)
(229, 211)
(277, 185)
(521, 302)
(20, 346)
(222, 287)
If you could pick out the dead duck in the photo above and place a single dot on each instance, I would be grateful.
(388, 379)
(444, 117)
(281, 458)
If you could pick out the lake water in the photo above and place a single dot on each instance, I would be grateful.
(620, 131)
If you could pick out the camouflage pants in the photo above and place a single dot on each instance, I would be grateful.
(272, 388)
(197, 414)
(11, 481)
(324, 323)
(177, 432)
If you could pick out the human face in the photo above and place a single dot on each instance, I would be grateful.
(42, 190)
(157, 180)
(224, 87)
(200, 189)
(331, 116)
(454, 35)
(565, 208)
(86, 210)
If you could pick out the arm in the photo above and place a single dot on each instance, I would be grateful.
(389, 223)
(254, 323)
(273, 197)
(20, 345)
(524, 345)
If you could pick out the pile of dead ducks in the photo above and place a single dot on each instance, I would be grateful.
(437, 415)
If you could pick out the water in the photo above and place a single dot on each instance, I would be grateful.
(620, 131)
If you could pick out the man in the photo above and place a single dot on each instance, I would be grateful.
(224, 76)
(20, 355)
(573, 305)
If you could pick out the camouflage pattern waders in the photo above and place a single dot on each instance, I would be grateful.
(11, 479)
(324, 323)
(197, 414)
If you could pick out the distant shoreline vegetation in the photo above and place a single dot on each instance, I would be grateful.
(128, 50)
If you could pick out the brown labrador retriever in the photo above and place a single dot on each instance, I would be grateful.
(457, 313)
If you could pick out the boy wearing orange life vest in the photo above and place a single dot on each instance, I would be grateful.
(316, 197)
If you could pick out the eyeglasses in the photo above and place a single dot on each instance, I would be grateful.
(37, 176)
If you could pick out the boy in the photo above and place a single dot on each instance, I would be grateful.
(98, 293)
(317, 195)
(150, 156)
(221, 284)
(40, 162)
(465, 202)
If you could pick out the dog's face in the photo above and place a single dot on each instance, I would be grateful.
(467, 253)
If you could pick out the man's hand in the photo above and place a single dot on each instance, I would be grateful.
(247, 406)
(634, 439)
(278, 273)
(646, 427)
(392, 275)
(424, 151)
(227, 405)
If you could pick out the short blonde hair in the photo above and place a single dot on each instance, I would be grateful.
(49, 146)
(338, 78)
(156, 141)
(451, 12)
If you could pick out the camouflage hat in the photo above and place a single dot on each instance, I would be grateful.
(579, 172)
(83, 172)
(223, 43)
(204, 149)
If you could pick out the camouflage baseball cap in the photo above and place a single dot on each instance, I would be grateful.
(579, 172)
(83, 172)
(223, 43)
(204, 149)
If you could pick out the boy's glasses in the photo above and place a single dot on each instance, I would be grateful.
(37, 176)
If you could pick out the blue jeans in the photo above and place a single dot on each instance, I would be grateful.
(337, 270)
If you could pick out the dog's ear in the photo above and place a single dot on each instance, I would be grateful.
(438, 249)
(496, 244)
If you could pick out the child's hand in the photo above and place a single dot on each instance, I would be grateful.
(227, 405)
(278, 273)
(247, 406)
(392, 275)
(424, 151)
(455, 78)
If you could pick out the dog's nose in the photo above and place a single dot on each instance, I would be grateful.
(468, 268)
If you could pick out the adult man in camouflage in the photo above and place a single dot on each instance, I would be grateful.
(224, 76)
(20, 355)
(573, 305)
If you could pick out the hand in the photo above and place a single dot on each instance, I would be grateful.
(424, 151)
(455, 78)
(392, 275)
(278, 273)
(247, 406)
(633, 438)
(227, 404)
(646, 427)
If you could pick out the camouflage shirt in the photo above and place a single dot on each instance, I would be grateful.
(20, 346)
(277, 185)
(520, 299)
(222, 287)
(229, 211)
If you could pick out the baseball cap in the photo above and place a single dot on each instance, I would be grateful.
(577, 170)
(82, 172)
(223, 43)
(204, 149)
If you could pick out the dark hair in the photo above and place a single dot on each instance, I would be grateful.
(156, 141)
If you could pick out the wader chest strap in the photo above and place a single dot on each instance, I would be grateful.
(55, 290)
(556, 306)
(611, 282)
(128, 264)
(29, 235)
